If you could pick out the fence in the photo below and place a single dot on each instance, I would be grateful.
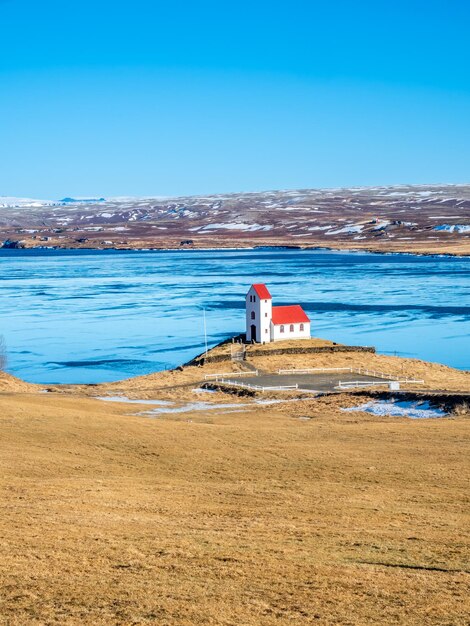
(350, 384)
(223, 374)
(238, 352)
(361, 370)
(316, 369)
(376, 374)
(352, 370)
(236, 383)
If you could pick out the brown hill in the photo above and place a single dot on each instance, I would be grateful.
(9, 383)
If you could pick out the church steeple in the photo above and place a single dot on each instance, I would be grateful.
(258, 314)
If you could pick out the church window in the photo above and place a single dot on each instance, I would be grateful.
(291, 328)
(301, 327)
(252, 315)
(281, 330)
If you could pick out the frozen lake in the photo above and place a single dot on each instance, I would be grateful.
(83, 316)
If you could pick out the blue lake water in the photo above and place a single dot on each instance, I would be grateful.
(82, 316)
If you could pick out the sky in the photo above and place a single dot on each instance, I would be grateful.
(112, 98)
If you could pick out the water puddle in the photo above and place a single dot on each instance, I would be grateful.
(129, 401)
(402, 408)
(210, 406)
(166, 406)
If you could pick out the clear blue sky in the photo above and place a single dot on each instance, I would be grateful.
(168, 98)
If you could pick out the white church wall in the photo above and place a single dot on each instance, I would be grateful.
(278, 334)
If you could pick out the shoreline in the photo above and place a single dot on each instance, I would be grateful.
(331, 350)
(283, 247)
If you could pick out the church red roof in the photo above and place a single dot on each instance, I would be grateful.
(262, 291)
(289, 315)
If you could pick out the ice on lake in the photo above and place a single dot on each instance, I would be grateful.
(401, 408)
(86, 316)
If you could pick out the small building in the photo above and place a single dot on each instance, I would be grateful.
(266, 323)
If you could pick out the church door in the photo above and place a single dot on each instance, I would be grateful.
(253, 332)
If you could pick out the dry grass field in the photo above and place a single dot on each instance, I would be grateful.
(252, 518)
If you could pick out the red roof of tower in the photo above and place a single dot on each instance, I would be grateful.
(289, 315)
(262, 291)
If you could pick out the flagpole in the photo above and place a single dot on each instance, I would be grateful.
(205, 329)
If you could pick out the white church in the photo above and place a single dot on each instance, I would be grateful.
(266, 323)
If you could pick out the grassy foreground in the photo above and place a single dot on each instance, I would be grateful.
(249, 518)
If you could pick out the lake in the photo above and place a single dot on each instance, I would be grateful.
(94, 316)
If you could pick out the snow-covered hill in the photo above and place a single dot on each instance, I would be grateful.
(9, 202)
(395, 214)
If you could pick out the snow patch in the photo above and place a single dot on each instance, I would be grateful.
(128, 400)
(402, 408)
(451, 228)
(10, 202)
(237, 226)
(349, 229)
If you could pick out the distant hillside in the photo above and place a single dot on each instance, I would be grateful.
(416, 218)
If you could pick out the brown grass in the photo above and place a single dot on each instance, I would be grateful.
(11, 383)
(255, 518)
(295, 513)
